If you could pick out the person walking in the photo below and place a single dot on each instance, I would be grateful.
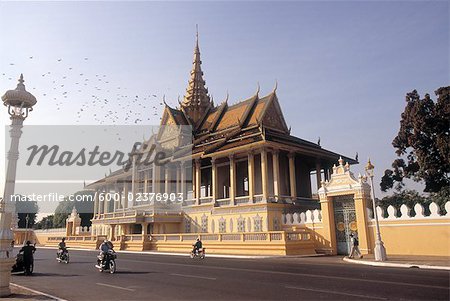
(355, 247)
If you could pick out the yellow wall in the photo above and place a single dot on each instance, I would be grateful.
(414, 237)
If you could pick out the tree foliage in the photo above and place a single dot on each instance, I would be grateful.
(422, 143)
(25, 207)
(84, 208)
(45, 223)
(412, 197)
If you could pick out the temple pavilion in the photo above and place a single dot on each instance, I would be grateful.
(238, 170)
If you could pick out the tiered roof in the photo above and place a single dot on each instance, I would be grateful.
(223, 127)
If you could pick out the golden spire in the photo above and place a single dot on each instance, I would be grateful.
(196, 99)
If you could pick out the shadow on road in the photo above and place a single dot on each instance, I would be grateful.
(49, 275)
(134, 273)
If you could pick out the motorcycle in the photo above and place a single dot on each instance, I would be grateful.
(62, 256)
(19, 266)
(200, 253)
(107, 262)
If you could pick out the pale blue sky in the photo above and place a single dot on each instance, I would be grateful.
(343, 68)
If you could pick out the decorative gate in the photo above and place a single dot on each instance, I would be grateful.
(345, 222)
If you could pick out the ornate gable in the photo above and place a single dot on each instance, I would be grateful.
(168, 134)
(343, 180)
(272, 116)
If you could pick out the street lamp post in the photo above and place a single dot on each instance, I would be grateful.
(27, 219)
(380, 250)
(19, 103)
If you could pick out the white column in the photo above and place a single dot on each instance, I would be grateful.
(125, 195)
(251, 176)
(133, 180)
(318, 175)
(96, 197)
(178, 184)
(197, 180)
(232, 180)
(145, 181)
(183, 179)
(214, 179)
(276, 174)
(114, 197)
(155, 178)
(167, 178)
(292, 181)
(264, 175)
(105, 200)
(119, 197)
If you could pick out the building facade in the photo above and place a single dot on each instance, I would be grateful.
(236, 166)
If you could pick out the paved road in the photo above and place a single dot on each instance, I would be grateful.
(162, 277)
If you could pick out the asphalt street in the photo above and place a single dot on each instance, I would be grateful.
(162, 277)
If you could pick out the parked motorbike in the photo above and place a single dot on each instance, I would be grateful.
(62, 256)
(107, 262)
(200, 253)
(19, 266)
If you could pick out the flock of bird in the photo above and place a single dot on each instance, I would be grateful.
(96, 96)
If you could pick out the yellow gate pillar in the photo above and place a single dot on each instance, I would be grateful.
(362, 218)
(329, 231)
(344, 183)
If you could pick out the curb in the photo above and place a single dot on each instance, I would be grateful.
(396, 265)
(174, 254)
(37, 292)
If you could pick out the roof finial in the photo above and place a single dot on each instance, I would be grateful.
(20, 85)
(196, 100)
(257, 89)
(228, 95)
(196, 33)
(276, 86)
(164, 100)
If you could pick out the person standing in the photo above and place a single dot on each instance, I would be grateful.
(355, 247)
(28, 252)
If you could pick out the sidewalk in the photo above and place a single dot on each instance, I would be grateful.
(406, 261)
(19, 292)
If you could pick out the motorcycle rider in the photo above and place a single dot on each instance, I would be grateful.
(62, 247)
(28, 251)
(197, 246)
(104, 249)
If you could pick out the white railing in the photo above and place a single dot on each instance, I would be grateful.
(224, 202)
(302, 217)
(245, 199)
(206, 199)
(258, 198)
(133, 237)
(405, 212)
(72, 238)
(245, 236)
(188, 202)
(54, 230)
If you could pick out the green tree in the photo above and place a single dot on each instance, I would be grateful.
(407, 197)
(25, 207)
(85, 208)
(440, 198)
(422, 143)
(45, 223)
